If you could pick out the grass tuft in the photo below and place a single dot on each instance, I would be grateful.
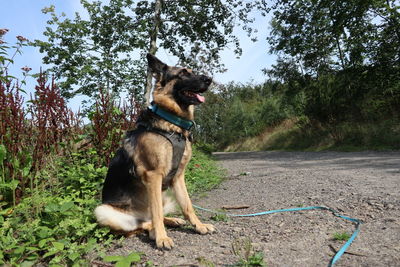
(341, 236)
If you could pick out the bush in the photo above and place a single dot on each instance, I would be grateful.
(239, 111)
(54, 221)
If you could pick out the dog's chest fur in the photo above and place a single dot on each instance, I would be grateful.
(177, 140)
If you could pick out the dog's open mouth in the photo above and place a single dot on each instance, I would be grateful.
(194, 96)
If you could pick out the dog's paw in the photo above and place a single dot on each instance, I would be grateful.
(174, 222)
(164, 243)
(204, 228)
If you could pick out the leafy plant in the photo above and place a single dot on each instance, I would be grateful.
(236, 111)
(243, 249)
(29, 130)
(220, 217)
(124, 261)
(55, 223)
(341, 236)
(109, 122)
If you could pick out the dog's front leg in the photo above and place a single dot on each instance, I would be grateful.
(185, 203)
(153, 181)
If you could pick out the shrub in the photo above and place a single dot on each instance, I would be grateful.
(109, 121)
(239, 111)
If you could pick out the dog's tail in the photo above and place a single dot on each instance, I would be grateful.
(121, 220)
(116, 219)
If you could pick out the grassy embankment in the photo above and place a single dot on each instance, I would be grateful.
(291, 135)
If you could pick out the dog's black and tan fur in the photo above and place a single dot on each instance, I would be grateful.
(133, 195)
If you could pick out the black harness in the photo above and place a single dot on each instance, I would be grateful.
(178, 142)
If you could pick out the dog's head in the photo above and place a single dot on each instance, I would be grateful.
(178, 84)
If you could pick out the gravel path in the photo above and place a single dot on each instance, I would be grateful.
(363, 185)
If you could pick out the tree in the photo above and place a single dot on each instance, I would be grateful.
(95, 53)
(107, 49)
(342, 55)
(324, 35)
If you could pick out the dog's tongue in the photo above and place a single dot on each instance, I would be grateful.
(200, 98)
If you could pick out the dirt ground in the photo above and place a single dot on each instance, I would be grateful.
(363, 185)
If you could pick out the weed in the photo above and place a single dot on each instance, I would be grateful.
(341, 236)
(124, 261)
(29, 130)
(243, 249)
(221, 216)
(109, 122)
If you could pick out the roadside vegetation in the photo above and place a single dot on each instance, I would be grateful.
(335, 84)
(266, 117)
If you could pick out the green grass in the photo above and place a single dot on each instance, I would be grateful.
(203, 262)
(220, 217)
(243, 249)
(202, 173)
(341, 236)
(255, 259)
(301, 135)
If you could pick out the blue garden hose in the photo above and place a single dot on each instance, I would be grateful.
(338, 254)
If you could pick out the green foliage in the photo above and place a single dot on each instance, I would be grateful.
(243, 249)
(341, 236)
(256, 259)
(55, 223)
(203, 262)
(96, 52)
(220, 217)
(323, 35)
(239, 111)
(337, 68)
(337, 59)
(124, 261)
(202, 173)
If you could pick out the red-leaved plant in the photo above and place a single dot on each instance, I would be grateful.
(109, 121)
(29, 134)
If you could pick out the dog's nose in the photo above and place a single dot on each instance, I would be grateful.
(207, 80)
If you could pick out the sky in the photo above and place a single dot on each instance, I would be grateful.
(24, 17)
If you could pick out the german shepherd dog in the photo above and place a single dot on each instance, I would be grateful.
(153, 157)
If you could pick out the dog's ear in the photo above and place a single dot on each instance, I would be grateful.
(156, 65)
